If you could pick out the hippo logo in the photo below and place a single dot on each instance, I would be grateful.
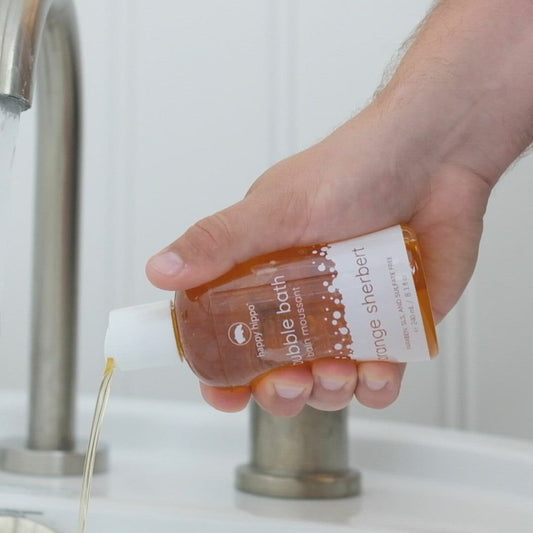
(239, 333)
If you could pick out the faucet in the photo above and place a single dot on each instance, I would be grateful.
(304, 457)
(40, 40)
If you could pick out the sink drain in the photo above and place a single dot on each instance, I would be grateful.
(14, 524)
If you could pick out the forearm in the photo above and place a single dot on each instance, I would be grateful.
(463, 93)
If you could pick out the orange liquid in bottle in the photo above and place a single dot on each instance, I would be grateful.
(282, 309)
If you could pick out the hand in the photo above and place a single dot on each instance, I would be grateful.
(455, 115)
(347, 185)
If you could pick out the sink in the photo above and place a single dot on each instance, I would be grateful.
(172, 469)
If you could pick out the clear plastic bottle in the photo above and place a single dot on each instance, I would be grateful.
(364, 298)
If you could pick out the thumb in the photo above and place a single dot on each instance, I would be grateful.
(217, 243)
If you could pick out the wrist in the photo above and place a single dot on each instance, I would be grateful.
(431, 127)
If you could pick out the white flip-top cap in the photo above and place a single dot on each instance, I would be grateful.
(141, 336)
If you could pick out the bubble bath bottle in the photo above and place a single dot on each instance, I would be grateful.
(363, 298)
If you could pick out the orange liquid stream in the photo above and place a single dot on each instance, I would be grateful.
(88, 469)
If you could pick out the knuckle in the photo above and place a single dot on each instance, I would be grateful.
(209, 236)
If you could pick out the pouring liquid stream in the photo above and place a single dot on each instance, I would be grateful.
(98, 417)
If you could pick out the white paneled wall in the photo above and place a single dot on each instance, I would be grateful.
(186, 103)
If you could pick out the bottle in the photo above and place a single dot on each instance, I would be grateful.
(363, 298)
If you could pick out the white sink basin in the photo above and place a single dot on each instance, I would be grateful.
(172, 469)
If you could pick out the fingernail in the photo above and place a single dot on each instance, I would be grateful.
(288, 392)
(168, 263)
(376, 384)
(331, 384)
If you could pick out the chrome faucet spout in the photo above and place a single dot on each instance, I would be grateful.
(39, 47)
(23, 23)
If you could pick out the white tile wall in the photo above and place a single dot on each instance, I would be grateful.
(185, 104)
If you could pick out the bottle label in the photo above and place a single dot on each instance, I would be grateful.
(372, 274)
(354, 298)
